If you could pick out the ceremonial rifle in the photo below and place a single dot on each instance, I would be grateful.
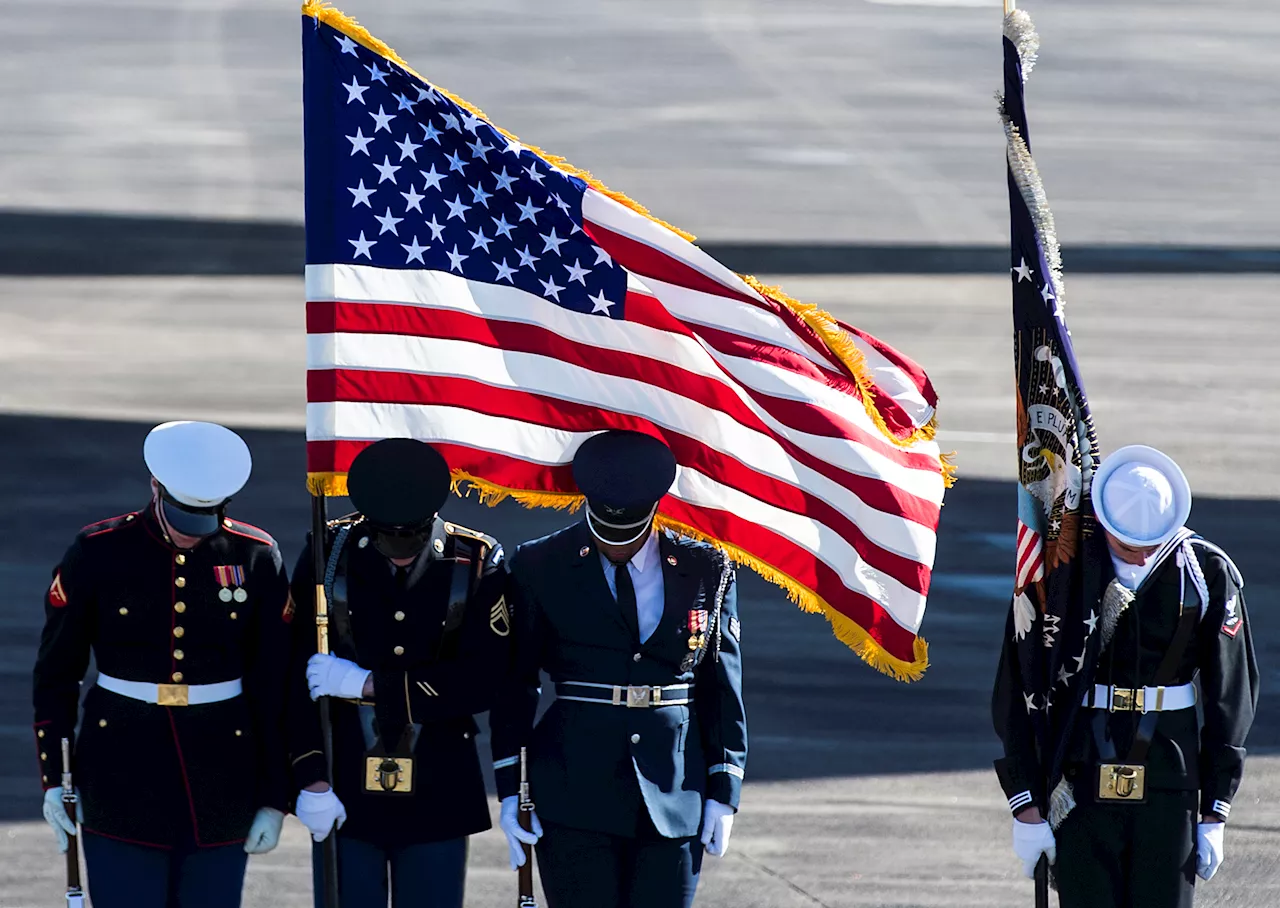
(329, 866)
(525, 816)
(70, 802)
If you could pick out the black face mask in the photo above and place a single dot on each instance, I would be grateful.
(399, 542)
(190, 521)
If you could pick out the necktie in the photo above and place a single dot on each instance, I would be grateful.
(626, 593)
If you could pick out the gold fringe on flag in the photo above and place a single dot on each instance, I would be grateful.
(822, 323)
(826, 327)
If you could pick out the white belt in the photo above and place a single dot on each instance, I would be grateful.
(1142, 700)
(171, 694)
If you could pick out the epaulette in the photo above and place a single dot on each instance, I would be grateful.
(106, 526)
(247, 530)
(336, 523)
(491, 545)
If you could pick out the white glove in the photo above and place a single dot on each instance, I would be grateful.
(319, 811)
(329, 676)
(264, 833)
(1209, 849)
(517, 837)
(1030, 840)
(717, 825)
(55, 814)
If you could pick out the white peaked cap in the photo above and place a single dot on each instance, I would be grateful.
(201, 464)
(1141, 496)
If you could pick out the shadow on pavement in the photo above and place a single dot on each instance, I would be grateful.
(815, 711)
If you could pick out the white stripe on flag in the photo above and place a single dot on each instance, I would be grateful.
(538, 444)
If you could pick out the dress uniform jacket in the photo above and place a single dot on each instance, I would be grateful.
(595, 766)
(396, 630)
(150, 612)
(1185, 754)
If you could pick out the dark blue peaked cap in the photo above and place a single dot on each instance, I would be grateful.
(398, 482)
(623, 474)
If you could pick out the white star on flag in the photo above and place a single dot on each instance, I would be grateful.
(415, 251)
(362, 246)
(1023, 272)
(455, 260)
(551, 289)
(355, 91)
(388, 223)
(599, 303)
(361, 195)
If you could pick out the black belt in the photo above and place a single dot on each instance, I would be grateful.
(641, 696)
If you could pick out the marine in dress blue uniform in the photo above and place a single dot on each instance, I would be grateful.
(420, 633)
(181, 761)
(637, 765)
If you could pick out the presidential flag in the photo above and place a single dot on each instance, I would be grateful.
(475, 292)
(1051, 642)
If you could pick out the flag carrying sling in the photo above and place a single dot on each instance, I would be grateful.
(477, 293)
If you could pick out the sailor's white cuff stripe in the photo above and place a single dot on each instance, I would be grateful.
(1019, 801)
(503, 764)
(726, 767)
(1222, 808)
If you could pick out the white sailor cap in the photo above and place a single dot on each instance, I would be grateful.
(200, 464)
(1141, 496)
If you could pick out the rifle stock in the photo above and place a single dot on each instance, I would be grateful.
(1042, 882)
(525, 816)
(71, 801)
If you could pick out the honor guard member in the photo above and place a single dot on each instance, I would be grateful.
(1147, 787)
(420, 635)
(638, 763)
(181, 759)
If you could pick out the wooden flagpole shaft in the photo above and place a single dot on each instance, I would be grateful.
(329, 867)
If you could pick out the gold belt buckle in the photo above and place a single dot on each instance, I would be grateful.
(1124, 699)
(640, 695)
(171, 695)
(388, 775)
(1122, 782)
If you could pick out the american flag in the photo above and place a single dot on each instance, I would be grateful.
(1051, 625)
(471, 291)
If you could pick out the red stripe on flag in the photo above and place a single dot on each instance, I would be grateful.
(647, 261)
(404, 388)
(788, 557)
(418, 321)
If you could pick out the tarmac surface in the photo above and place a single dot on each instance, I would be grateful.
(736, 119)
(857, 122)
(861, 791)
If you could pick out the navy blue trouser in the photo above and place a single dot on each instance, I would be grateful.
(125, 875)
(426, 875)
(583, 869)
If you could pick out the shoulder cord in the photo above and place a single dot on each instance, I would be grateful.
(726, 574)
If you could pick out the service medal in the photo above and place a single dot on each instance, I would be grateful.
(228, 576)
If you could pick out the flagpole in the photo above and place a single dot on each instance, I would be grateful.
(1010, 6)
(329, 849)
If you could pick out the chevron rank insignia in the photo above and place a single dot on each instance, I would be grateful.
(500, 617)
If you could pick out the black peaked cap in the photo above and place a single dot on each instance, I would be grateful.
(398, 482)
(623, 473)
